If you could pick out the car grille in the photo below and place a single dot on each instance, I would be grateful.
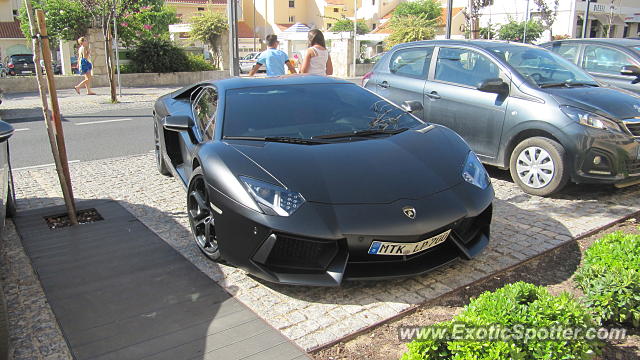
(633, 125)
(304, 254)
(633, 167)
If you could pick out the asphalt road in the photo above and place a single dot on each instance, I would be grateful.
(88, 137)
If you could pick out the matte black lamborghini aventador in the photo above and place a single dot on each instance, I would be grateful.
(310, 180)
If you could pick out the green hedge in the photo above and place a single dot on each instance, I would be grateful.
(610, 278)
(515, 306)
(157, 55)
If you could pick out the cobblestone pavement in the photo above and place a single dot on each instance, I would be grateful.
(28, 105)
(523, 226)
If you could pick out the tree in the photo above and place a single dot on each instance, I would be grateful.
(66, 19)
(209, 28)
(103, 13)
(429, 9)
(149, 22)
(343, 25)
(548, 14)
(410, 28)
(514, 31)
(473, 16)
(488, 32)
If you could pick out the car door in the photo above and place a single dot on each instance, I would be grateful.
(403, 77)
(204, 115)
(605, 63)
(452, 99)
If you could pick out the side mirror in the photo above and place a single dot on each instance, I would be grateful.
(177, 123)
(6, 130)
(496, 86)
(631, 70)
(411, 106)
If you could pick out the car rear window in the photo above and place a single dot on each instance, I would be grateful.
(22, 58)
(308, 110)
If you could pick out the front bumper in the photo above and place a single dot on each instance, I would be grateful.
(323, 245)
(604, 157)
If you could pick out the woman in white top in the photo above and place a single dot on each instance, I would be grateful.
(317, 60)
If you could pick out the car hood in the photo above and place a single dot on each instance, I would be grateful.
(409, 165)
(610, 101)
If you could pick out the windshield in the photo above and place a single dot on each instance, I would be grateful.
(541, 67)
(308, 111)
(22, 58)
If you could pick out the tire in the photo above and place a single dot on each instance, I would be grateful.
(11, 197)
(538, 165)
(161, 165)
(201, 217)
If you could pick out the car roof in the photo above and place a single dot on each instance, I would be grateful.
(244, 82)
(474, 43)
(610, 41)
(247, 82)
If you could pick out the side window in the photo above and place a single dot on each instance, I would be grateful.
(464, 67)
(605, 60)
(205, 111)
(567, 51)
(412, 62)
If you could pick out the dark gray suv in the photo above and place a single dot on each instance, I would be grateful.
(519, 107)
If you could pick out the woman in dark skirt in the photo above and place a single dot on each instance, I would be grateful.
(84, 66)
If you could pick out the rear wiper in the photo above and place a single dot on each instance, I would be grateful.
(361, 133)
(282, 139)
(567, 84)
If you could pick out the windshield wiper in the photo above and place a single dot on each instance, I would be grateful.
(361, 133)
(567, 84)
(282, 139)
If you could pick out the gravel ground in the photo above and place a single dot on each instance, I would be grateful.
(523, 227)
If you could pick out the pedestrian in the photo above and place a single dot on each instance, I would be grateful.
(273, 59)
(317, 60)
(84, 65)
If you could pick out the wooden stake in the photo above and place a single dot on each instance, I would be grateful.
(54, 128)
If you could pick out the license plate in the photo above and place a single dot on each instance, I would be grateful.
(27, 72)
(393, 248)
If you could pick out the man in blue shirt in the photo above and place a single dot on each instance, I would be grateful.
(273, 59)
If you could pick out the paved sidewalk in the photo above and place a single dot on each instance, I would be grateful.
(523, 226)
(119, 292)
(28, 105)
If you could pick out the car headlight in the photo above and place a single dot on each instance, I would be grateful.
(590, 119)
(474, 173)
(272, 199)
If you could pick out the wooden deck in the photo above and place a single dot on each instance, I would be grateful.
(118, 291)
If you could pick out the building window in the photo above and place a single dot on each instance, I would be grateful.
(200, 9)
(292, 3)
(335, 10)
(292, 19)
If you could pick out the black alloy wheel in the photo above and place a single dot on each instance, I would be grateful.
(201, 217)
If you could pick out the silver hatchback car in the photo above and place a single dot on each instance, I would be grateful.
(520, 107)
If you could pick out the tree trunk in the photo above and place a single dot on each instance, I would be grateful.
(109, 60)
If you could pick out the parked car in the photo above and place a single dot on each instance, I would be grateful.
(519, 107)
(248, 61)
(74, 65)
(299, 192)
(20, 64)
(7, 193)
(604, 59)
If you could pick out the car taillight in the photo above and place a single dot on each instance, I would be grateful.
(366, 78)
(10, 66)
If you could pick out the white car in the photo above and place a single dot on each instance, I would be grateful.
(248, 61)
